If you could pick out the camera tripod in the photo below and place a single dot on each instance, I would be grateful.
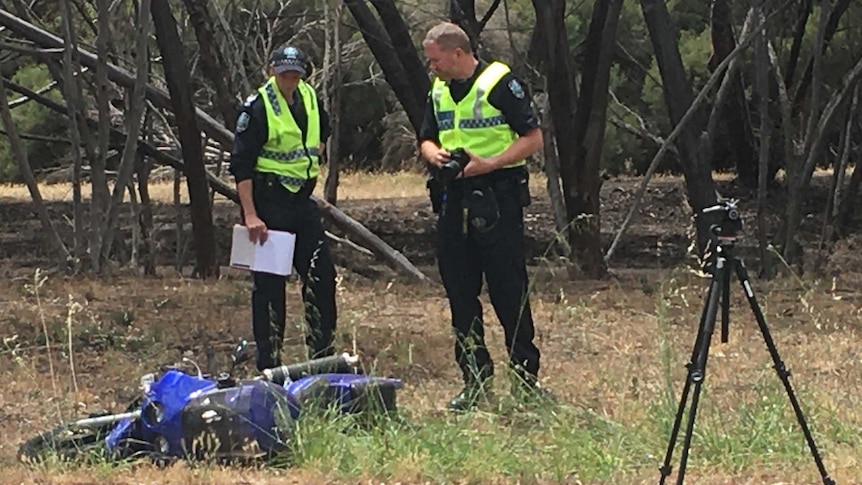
(723, 262)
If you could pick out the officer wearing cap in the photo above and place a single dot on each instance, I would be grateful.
(483, 108)
(280, 136)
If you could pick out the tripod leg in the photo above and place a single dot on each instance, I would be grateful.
(725, 306)
(696, 369)
(780, 368)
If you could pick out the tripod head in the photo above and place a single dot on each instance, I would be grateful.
(726, 230)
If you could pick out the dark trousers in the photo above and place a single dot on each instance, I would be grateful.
(296, 213)
(499, 256)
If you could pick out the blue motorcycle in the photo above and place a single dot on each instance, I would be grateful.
(198, 416)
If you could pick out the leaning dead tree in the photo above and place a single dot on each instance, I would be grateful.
(216, 131)
(177, 76)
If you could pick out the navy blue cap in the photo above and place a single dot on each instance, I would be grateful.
(288, 58)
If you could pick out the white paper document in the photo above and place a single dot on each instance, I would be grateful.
(274, 256)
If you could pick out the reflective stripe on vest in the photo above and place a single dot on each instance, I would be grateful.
(284, 153)
(473, 123)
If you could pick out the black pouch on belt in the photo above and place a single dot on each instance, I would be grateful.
(483, 213)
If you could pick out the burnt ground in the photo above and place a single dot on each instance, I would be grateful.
(658, 237)
(592, 332)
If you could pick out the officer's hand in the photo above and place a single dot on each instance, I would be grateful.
(256, 229)
(439, 158)
(478, 165)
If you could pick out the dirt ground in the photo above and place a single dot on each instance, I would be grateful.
(125, 325)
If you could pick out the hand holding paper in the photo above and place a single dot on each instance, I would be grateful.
(273, 255)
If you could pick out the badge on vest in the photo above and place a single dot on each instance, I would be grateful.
(242, 122)
(516, 89)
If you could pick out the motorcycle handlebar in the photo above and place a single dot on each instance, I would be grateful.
(343, 363)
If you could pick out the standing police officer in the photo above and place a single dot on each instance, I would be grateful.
(280, 136)
(482, 108)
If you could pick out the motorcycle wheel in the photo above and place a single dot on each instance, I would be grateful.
(64, 442)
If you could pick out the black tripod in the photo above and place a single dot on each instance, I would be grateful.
(722, 263)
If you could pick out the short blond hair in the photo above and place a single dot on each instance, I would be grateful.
(448, 36)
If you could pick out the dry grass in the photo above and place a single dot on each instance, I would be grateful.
(614, 351)
(611, 351)
(352, 186)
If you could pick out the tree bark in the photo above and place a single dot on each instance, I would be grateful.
(381, 47)
(212, 62)
(761, 62)
(562, 96)
(177, 77)
(136, 102)
(590, 121)
(677, 94)
(798, 35)
(737, 136)
(98, 181)
(333, 100)
(829, 31)
(60, 252)
(463, 13)
(73, 93)
(402, 42)
(798, 185)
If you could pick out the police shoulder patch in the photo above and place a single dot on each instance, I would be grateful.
(516, 89)
(242, 122)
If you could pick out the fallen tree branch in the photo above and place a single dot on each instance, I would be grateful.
(217, 131)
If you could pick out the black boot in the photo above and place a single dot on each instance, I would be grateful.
(526, 389)
(473, 394)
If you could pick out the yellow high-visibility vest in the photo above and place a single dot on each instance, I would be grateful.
(285, 153)
(473, 123)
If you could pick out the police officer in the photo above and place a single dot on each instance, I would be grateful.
(482, 108)
(280, 136)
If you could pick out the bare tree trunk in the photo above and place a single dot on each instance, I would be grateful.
(824, 37)
(785, 108)
(677, 94)
(98, 181)
(333, 100)
(797, 190)
(737, 139)
(212, 62)
(148, 259)
(177, 77)
(590, 121)
(72, 94)
(798, 35)
(761, 62)
(394, 72)
(399, 33)
(836, 187)
(844, 218)
(552, 172)
(562, 95)
(60, 252)
(463, 13)
(133, 128)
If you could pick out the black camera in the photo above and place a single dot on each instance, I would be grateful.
(728, 228)
(458, 159)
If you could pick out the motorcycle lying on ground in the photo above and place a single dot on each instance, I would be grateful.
(197, 416)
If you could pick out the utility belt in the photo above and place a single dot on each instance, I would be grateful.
(478, 199)
(509, 181)
(269, 185)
